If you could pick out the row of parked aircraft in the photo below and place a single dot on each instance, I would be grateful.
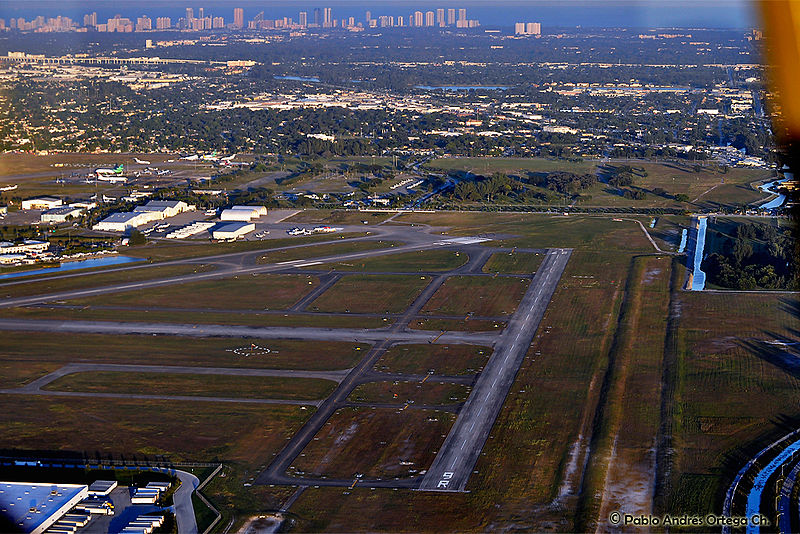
(210, 157)
(117, 174)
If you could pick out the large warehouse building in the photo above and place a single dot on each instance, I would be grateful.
(243, 213)
(155, 210)
(34, 507)
(41, 203)
(122, 222)
(164, 208)
(61, 214)
(232, 230)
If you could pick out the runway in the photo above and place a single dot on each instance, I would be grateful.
(350, 335)
(221, 273)
(457, 457)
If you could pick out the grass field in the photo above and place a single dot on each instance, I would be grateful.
(333, 217)
(513, 263)
(370, 294)
(247, 434)
(253, 387)
(160, 251)
(323, 250)
(468, 324)
(360, 509)
(215, 317)
(487, 166)
(13, 288)
(542, 231)
(478, 295)
(420, 261)
(241, 292)
(732, 396)
(14, 373)
(707, 188)
(623, 464)
(435, 359)
(25, 349)
(374, 443)
(401, 393)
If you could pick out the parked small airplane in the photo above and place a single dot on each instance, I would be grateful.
(203, 157)
(116, 171)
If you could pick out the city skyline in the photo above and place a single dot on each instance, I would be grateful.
(589, 13)
(200, 20)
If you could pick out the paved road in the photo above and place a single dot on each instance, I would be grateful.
(326, 282)
(353, 335)
(51, 306)
(182, 498)
(35, 387)
(457, 457)
(335, 376)
(650, 238)
(172, 398)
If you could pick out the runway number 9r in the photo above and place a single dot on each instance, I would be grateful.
(445, 479)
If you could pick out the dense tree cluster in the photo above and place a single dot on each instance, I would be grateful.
(566, 183)
(757, 256)
(481, 188)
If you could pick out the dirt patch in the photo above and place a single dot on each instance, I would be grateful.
(717, 345)
(263, 524)
(650, 276)
(628, 487)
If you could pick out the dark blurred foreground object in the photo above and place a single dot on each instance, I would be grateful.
(781, 21)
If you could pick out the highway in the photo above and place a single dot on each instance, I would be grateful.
(457, 457)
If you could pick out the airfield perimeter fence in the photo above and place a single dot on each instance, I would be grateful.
(86, 462)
